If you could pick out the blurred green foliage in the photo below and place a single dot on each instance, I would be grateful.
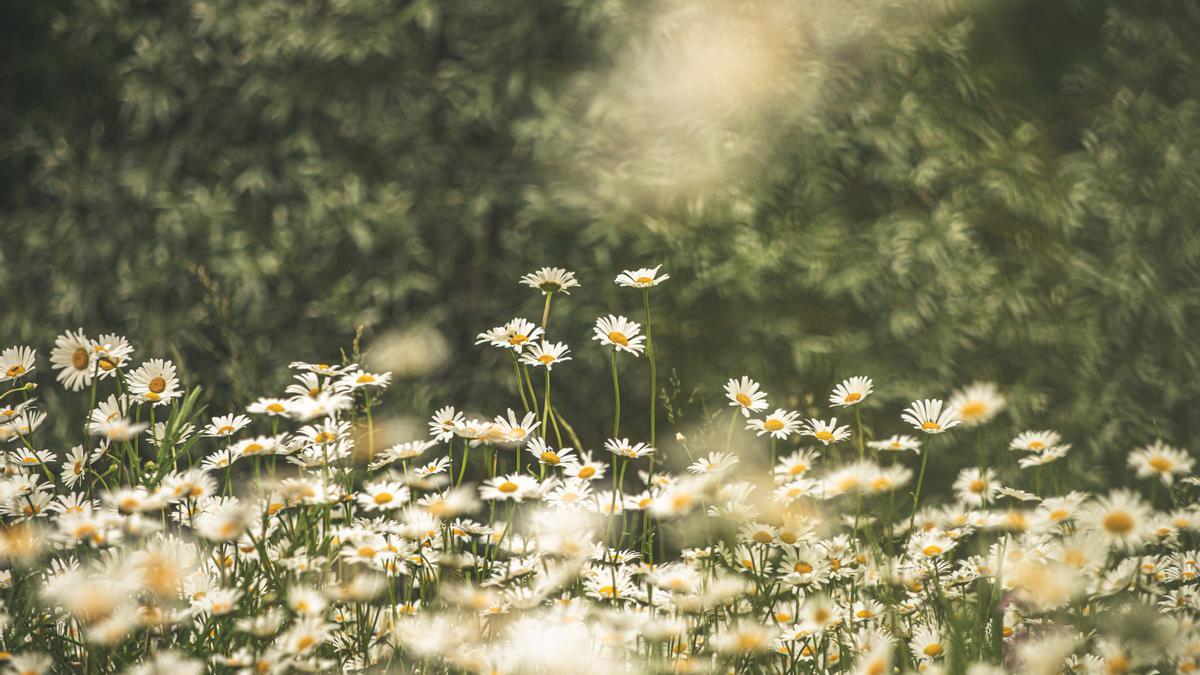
(929, 193)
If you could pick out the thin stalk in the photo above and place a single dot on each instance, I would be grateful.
(616, 397)
(920, 480)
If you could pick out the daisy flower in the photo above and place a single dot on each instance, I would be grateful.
(551, 280)
(548, 456)
(319, 368)
(897, 443)
(16, 362)
(975, 487)
(357, 379)
(620, 333)
(1161, 461)
(1035, 441)
(154, 381)
(744, 394)
(643, 277)
(514, 430)
(1053, 453)
(444, 423)
(74, 466)
(514, 335)
(928, 416)
(977, 403)
(275, 407)
(546, 354)
(851, 391)
(72, 357)
(780, 424)
(1121, 519)
(514, 486)
(383, 496)
(118, 430)
(28, 457)
(585, 468)
(621, 447)
(930, 544)
(716, 462)
(927, 644)
(826, 432)
(795, 465)
(225, 425)
(111, 352)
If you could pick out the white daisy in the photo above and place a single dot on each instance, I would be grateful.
(620, 333)
(358, 379)
(516, 487)
(225, 425)
(851, 392)
(1121, 519)
(780, 424)
(826, 432)
(72, 357)
(643, 277)
(1161, 461)
(515, 335)
(546, 354)
(745, 394)
(16, 362)
(1035, 441)
(928, 416)
(551, 280)
(621, 447)
(444, 423)
(977, 403)
(154, 381)
(111, 352)
(897, 443)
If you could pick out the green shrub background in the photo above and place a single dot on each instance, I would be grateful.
(929, 193)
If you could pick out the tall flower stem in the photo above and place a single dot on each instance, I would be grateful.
(653, 376)
(520, 381)
(862, 453)
(546, 311)
(920, 480)
(616, 397)
(546, 405)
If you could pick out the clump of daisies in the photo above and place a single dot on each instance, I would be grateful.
(288, 536)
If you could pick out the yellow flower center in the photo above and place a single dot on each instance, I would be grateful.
(252, 449)
(1036, 445)
(607, 591)
(507, 487)
(518, 339)
(763, 537)
(932, 650)
(978, 486)
(644, 280)
(1161, 464)
(366, 552)
(550, 457)
(743, 400)
(80, 359)
(802, 567)
(365, 378)
(798, 468)
(323, 437)
(852, 397)
(383, 498)
(932, 550)
(587, 472)
(1118, 522)
(275, 408)
(773, 425)
(972, 409)
(14, 371)
(617, 337)
(1058, 515)
(546, 358)
(824, 435)
(305, 642)
(225, 430)
(931, 426)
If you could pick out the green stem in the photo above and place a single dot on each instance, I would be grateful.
(616, 397)
(920, 480)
